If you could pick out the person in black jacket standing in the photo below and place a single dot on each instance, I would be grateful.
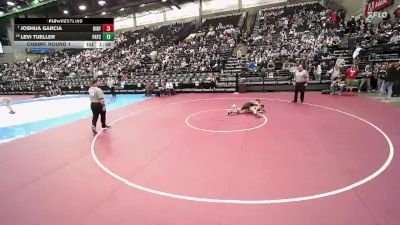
(393, 74)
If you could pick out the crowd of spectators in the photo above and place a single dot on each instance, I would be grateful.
(78, 66)
(366, 34)
(285, 37)
(139, 58)
(379, 77)
(308, 34)
(202, 51)
(294, 34)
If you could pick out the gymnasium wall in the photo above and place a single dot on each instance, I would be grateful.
(356, 7)
(189, 10)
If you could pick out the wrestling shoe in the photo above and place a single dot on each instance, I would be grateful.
(106, 127)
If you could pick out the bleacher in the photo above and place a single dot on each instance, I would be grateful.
(266, 37)
(204, 58)
(158, 39)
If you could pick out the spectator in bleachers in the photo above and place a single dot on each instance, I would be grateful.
(395, 39)
(351, 74)
(337, 82)
(293, 69)
(318, 72)
(334, 18)
(397, 14)
(352, 24)
(212, 80)
(356, 55)
(149, 89)
(111, 85)
(366, 78)
(239, 54)
(271, 65)
(252, 66)
(169, 86)
(286, 65)
(381, 76)
(393, 74)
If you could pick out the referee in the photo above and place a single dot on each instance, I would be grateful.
(300, 82)
(97, 105)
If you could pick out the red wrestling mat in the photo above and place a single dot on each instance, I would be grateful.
(181, 160)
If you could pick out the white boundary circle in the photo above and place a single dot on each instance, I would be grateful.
(233, 201)
(222, 131)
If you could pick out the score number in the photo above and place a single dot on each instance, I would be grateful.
(108, 32)
(108, 36)
(108, 27)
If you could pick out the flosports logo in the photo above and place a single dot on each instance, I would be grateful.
(376, 5)
(373, 15)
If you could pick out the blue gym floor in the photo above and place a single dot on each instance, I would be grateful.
(41, 114)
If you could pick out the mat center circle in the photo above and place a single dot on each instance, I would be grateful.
(217, 121)
(122, 175)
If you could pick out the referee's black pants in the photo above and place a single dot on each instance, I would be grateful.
(97, 109)
(299, 87)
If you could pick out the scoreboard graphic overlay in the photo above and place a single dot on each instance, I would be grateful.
(64, 33)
